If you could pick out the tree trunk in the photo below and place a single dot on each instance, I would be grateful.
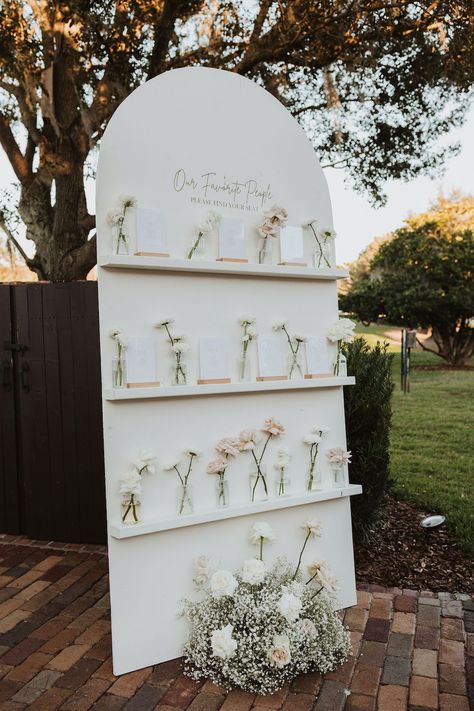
(456, 346)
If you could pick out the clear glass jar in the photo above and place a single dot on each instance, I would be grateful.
(340, 366)
(178, 372)
(258, 483)
(185, 500)
(295, 366)
(120, 240)
(131, 509)
(244, 370)
(313, 482)
(337, 473)
(119, 374)
(282, 483)
(265, 250)
(222, 491)
(197, 247)
(322, 258)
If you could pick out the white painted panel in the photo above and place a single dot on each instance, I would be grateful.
(161, 152)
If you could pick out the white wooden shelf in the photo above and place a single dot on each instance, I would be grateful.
(171, 391)
(120, 530)
(165, 264)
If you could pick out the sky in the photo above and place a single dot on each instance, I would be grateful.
(355, 220)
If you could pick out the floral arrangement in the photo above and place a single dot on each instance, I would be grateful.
(259, 628)
(131, 486)
(342, 331)
(338, 459)
(204, 229)
(248, 440)
(313, 440)
(225, 448)
(118, 364)
(282, 460)
(275, 218)
(323, 236)
(294, 342)
(116, 218)
(249, 334)
(185, 502)
(179, 347)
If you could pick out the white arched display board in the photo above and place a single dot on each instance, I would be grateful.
(185, 142)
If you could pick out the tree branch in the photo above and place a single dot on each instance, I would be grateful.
(162, 35)
(14, 155)
(429, 350)
(11, 238)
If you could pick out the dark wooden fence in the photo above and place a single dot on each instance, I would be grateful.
(51, 458)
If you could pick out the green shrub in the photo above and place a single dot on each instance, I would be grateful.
(368, 412)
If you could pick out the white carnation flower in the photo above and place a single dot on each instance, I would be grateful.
(253, 571)
(223, 584)
(252, 331)
(259, 531)
(282, 458)
(131, 483)
(222, 643)
(246, 319)
(313, 528)
(279, 325)
(289, 606)
(311, 438)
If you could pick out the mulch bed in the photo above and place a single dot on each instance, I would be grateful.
(399, 553)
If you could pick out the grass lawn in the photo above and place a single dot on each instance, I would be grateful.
(432, 440)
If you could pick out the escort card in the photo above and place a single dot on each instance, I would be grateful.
(270, 359)
(232, 240)
(213, 361)
(292, 246)
(151, 233)
(317, 359)
(140, 363)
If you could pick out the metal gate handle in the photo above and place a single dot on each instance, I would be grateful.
(25, 376)
(6, 375)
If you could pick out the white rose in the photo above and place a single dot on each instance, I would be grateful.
(202, 570)
(261, 530)
(289, 607)
(280, 655)
(253, 571)
(222, 643)
(223, 583)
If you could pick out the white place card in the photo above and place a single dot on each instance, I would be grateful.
(151, 233)
(317, 359)
(292, 246)
(140, 362)
(270, 359)
(213, 361)
(232, 240)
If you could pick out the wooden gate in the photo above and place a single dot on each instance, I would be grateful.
(51, 465)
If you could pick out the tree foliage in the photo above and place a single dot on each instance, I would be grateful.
(368, 414)
(374, 83)
(423, 277)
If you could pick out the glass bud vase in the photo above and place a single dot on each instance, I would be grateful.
(120, 241)
(322, 256)
(178, 373)
(185, 500)
(337, 474)
(222, 492)
(295, 366)
(243, 366)
(258, 483)
(282, 483)
(313, 482)
(119, 379)
(340, 366)
(265, 250)
(131, 509)
(197, 248)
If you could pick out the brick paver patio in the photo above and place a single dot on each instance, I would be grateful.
(411, 651)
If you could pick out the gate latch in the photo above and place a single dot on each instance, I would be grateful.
(15, 347)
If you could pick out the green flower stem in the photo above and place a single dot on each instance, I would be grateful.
(263, 250)
(195, 245)
(281, 483)
(261, 547)
(321, 253)
(313, 453)
(133, 507)
(336, 364)
(301, 555)
(221, 500)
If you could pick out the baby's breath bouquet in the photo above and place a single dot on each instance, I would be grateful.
(259, 628)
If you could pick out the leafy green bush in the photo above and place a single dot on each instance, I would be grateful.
(368, 412)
